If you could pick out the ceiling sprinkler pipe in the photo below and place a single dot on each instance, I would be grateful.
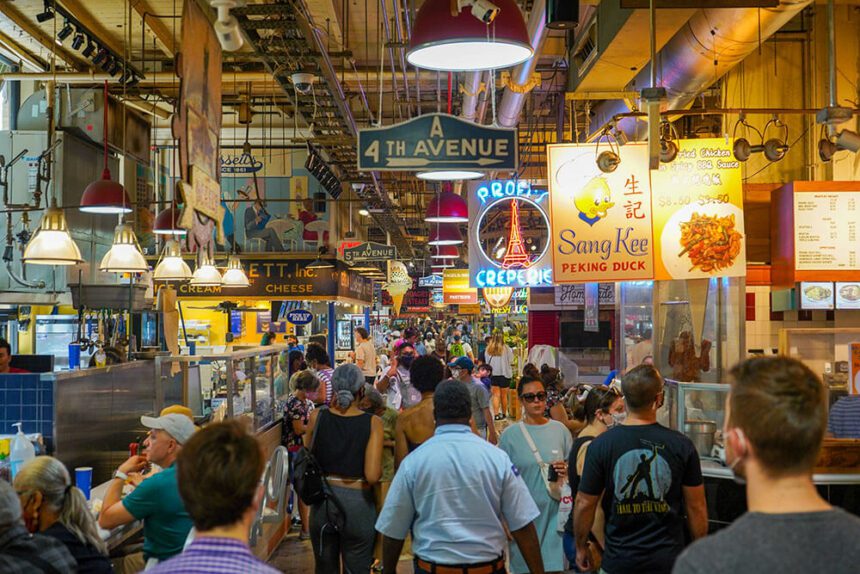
(23, 282)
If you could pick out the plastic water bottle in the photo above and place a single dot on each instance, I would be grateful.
(21, 452)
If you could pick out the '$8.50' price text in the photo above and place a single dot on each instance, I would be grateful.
(681, 200)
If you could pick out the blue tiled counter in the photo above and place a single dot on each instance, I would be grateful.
(28, 398)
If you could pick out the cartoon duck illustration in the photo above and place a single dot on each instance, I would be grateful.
(593, 200)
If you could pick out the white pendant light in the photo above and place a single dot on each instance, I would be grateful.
(52, 244)
(206, 274)
(171, 267)
(124, 255)
(234, 276)
(449, 175)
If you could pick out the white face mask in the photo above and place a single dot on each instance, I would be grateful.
(618, 419)
(736, 476)
(455, 373)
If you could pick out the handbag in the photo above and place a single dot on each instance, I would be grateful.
(307, 473)
(554, 489)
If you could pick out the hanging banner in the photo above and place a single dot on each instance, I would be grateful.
(601, 222)
(592, 309)
(369, 251)
(567, 295)
(456, 290)
(436, 142)
(430, 281)
(509, 234)
(698, 212)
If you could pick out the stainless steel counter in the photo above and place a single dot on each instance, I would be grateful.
(714, 469)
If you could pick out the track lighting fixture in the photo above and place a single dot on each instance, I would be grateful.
(846, 139)
(65, 31)
(88, 51)
(668, 145)
(609, 160)
(774, 149)
(101, 56)
(45, 14)
(77, 41)
(113, 68)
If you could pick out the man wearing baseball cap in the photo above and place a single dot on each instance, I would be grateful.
(461, 370)
(156, 500)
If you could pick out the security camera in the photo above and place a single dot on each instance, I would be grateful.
(483, 10)
(303, 82)
(226, 26)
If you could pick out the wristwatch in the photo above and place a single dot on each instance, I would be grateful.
(120, 475)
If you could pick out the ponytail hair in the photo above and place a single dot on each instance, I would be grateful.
(49, 476)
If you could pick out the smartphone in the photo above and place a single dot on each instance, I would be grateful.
(552, 474)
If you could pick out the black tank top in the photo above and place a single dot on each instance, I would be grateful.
(573, 476)
(341, 442)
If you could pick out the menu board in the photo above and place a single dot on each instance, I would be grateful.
(456, 290)
(601, 222)
(826, 231)
(698, 213)
(848, 295)
(816, 295)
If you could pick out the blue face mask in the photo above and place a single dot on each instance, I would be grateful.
(406, 360)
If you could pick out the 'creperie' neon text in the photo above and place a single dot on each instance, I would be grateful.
(513, 277)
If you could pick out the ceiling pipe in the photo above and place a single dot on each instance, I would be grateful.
(687, 70)
(513, 102)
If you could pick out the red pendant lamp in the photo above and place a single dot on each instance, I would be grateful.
(445, 252)
(447, 207)
(105, 195)
(445, 234)
(167, 222)
(463, 35)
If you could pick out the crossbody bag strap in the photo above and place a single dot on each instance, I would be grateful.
(535, 452)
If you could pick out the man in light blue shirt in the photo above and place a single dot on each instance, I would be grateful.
(454, 493)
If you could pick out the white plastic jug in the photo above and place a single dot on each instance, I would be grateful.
(21, 450)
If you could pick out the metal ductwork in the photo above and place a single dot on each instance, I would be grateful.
(512, 102)
(686, 63)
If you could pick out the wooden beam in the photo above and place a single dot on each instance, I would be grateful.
(103, 35)
(47, 42)
(23, 53)
(163, 34)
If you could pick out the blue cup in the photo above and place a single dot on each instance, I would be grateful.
(84, 479)
(192, 347)
(74, 355)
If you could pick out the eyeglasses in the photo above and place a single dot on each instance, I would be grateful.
(533, 397)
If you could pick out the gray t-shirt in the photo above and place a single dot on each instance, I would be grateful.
(480, 400)
(759, 543)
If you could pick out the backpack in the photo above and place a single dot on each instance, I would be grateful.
(308, 476)
(457, 349)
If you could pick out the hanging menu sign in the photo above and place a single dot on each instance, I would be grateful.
(601, 222)
(826, 226)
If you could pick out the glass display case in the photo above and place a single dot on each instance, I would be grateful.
(238, 384)
(696, 409)
(698, 327)
(635, 318)
(825, 351)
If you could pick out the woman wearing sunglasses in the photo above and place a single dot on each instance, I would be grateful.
(538, 447)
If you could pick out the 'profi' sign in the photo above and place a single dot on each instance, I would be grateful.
(437, 142)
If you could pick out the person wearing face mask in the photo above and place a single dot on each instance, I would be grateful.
(395, 384)
(461, 370)
(297, 413)
(601, 408)
(648, 475)
(775, 424)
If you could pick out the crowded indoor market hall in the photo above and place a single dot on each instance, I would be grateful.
(430, 286)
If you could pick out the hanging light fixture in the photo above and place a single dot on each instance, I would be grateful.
(445, 252)
(206, 274)
(124, 256)
(105, 195)
(167, 222)
(52, 244)
(449, 175)
(319, 262)
(234, 276)
(171, 266)
(447, 207)
(447, 38)
(445, 234)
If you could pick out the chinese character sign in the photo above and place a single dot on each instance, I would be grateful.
(601, 222)
(698, 213)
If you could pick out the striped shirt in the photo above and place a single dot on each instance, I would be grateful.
(324, 375)
(214, 556)
(844, 421)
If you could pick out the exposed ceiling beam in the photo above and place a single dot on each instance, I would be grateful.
(36, 33)
(163, 35)
(22, 53)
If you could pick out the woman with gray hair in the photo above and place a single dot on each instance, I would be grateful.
(53, 507)
(347, 444)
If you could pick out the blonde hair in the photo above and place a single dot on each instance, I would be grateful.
(49, 476)
(496, 347)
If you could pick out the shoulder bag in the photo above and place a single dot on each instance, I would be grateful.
(555, 490)
(308, 476)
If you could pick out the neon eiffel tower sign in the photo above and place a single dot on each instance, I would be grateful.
(516, 255)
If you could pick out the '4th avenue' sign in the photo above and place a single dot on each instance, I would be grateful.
(436, 142)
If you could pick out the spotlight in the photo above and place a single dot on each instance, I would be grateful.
(668, 151)
(106, 64)
(608, 161)
(774, 149)
(46, 14)
(78, 41)
(113, 68)
(848, 140)
(363, 212)
(742, 149)
(101, 56)
(88, 51)
(132, 81)
(827, 149)
(65, 32)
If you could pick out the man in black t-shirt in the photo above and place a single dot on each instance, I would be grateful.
(648, 476)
